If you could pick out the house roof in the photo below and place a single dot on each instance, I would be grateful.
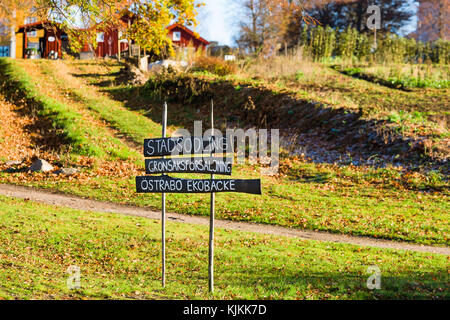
(38, 25)
(189, 31)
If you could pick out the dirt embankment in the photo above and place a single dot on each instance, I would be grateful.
(340, 131)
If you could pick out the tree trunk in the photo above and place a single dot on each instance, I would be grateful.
(118, 45)
(441, 20)
(129, 41)
(360, 13)
(12, 31)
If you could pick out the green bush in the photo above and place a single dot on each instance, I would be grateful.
(322, 43)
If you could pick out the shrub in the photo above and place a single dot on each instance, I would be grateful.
(322, 43)
(214, 65)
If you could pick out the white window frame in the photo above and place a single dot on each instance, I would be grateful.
(177, 37)
(100, 37)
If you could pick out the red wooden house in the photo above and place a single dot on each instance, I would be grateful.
(47, 36)
(184, 37)
(107, 43)
(43, 36)
(107, 40)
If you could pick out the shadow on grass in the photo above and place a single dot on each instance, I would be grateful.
(346, 285)
(358, 74)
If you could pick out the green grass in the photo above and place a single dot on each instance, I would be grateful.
(400, 116)
(119, 258)
(419, 83)
(399, 81)
(84, 137)
(382, 203)
(339, 200)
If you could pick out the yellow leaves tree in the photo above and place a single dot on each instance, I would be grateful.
(11, 13)
(82, 19)
(152, 17)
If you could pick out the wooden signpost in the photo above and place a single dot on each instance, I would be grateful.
(167, 184)
(188, 165)
(163, 184)
(189, 145)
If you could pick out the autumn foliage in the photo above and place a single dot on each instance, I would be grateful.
(149, 19)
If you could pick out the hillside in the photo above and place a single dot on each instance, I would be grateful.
(87, 118)
(99, 134)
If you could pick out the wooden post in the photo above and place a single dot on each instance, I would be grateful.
(118, 43)
(129, 41)
(211, 219)
(163, 210)
(25, 42)
(375, 38)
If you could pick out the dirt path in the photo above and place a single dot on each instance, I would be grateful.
(98, 206)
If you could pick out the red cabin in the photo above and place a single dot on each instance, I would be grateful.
(46, 37)
(43, 37)
(184, 37)
(107, 43)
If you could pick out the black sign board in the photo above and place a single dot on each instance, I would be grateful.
(188, 165)
(166, 184)
(184, 145)
(163, 184)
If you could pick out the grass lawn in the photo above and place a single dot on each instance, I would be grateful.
(334, 206)
(382, 203)
(119, 257)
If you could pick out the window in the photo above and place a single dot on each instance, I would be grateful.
(33, 45)
(176, 36)
(100, 37)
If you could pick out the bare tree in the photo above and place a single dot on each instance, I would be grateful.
(265, 24)
(432, 23)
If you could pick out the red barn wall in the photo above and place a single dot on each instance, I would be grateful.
(186, 38)
(110, 45)
(54, 45)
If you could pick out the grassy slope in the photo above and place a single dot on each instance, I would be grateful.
(128, 122)
(84, 137)
(343, 200)
(119, 257)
